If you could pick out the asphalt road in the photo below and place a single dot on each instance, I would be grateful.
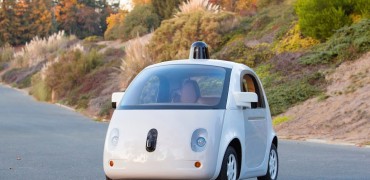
(44, 141)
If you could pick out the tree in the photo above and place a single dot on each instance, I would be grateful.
(66, 15)
(80, 18)
(165, 8)
(88, 22)
(115, 25)
(6, 18)
(139, 21)
(22, 22)
(320, 19)
(41, 17)
(105, 11)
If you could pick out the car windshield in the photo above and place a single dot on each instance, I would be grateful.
(178, 86)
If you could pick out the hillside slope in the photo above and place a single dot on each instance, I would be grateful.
(341, 114)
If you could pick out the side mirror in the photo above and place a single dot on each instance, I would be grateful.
(116, 98)
(244, 99)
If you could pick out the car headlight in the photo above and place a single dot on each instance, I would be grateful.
(199, 140)
(114, 137)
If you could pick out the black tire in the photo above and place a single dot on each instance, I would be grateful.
(230, 154)
(107, 178)
(272, 174)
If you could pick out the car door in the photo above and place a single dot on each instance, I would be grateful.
(255, 124)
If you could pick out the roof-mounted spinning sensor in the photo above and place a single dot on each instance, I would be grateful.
(199, 50)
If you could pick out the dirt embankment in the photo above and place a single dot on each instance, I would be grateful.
(342, 114)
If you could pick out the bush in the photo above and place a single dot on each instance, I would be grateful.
(39, 88)
(77, 64)
(115, 25)
(174, 37)
(6, 55)
(319, 19)
(346, 44)
(141, 20)
(93, 39)
(362, 7)
(237, 51)
(106, 109)
(295, 41)
(283, 96)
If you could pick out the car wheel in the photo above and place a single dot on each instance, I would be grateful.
(229, 168)
(107, 178)
(273, 165)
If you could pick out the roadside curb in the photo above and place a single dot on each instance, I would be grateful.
(19, 90)
(324, 141)
(66, 107)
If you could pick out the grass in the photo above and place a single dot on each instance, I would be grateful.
(38, 49)
(280, 120)
(322, 97)
(6, 55)
(137, 58)
(39, 89)
(192, 6)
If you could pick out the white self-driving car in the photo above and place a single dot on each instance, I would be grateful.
(192, 119)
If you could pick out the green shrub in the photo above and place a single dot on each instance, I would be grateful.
(346, 44)
(362, 7)
(263, 71)
(93, 39)
(237, 51)
(284, 95)
(105, 109)
(25, 82)
(65, 75)
(83, 102)
(322, 97)
(141, 20)
(6, 54)
(39, 88)
(319, 19)
(174, 37)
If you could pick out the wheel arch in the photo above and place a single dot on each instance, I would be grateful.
(235, 143)
(275, 141)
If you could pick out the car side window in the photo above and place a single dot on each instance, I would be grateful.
(149, 93)
(250, 84)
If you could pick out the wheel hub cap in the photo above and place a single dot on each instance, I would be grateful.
(231, 167)
(273, 164)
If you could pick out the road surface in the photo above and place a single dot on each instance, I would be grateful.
(45, 141)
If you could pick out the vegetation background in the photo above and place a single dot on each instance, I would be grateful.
(78, 52)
